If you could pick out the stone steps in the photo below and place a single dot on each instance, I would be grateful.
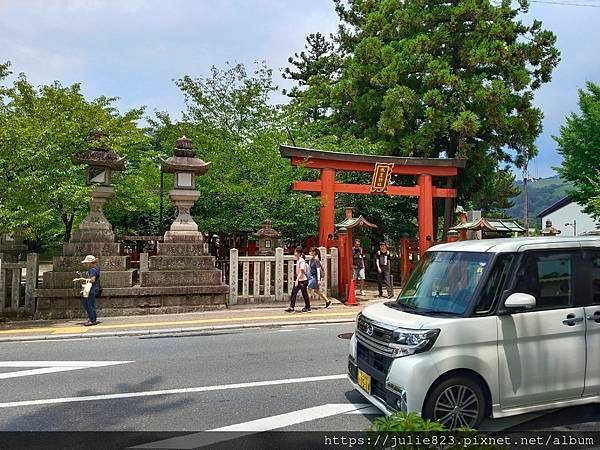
(108, 279)
(92, 248)
(181, 262)
(106, 263)
(179, 249)
(181, 278)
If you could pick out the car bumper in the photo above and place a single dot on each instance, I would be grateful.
(402, 386)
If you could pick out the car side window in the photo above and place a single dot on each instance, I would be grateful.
(493, 287)
(594, 259)
(548, 277)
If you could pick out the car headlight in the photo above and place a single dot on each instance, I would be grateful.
(408, 342)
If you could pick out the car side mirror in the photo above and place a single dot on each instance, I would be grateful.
(520, 300)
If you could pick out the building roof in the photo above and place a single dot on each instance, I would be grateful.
(555, 207)
(506, 245)
(354, 222)
(497, 225)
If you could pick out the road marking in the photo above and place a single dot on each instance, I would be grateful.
(77, 328)
(206, 438)
(368, 411)
(43, 367)
(294, 417)
(72, 329)
(88, 398)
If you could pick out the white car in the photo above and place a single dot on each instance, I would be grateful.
(488, 328)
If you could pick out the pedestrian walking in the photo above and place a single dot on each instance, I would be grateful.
(358, 265)
(93, 277)
(384, 270)
(301, 282)
(316, 274)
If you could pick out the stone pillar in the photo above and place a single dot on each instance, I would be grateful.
(233, 276)
(2, 284)
(279, 268)
(335, 291)
(32, 273)
(143, 262)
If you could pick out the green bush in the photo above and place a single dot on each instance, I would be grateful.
(405, 422)
(400, 427)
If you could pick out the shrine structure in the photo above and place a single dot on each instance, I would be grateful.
(382, 167)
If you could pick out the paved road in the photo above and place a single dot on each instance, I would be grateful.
(252, 377)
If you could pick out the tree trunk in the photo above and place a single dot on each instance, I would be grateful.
(68, 223)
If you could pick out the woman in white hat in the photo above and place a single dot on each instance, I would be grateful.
(89, 303)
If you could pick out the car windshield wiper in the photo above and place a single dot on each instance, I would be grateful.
(406, 305)
(442, 313)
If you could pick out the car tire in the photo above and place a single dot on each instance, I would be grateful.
(457, 402)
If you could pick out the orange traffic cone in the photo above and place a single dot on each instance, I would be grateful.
(351, 297)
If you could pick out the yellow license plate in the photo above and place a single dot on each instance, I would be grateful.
(364, 381)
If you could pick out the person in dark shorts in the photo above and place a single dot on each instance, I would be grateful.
(383, 270)
(358, 265)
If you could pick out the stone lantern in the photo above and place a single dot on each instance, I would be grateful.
(186, 168)
(101, 161)
(267, 239)
(550, 230)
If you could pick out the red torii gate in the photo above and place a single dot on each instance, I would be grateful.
(330, 162)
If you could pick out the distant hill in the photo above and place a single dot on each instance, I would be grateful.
(542, 193)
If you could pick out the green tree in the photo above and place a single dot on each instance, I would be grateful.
(43, 194)
(234, 126)
(579, 144)
(427, 79)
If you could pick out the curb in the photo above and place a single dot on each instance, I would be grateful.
(171, 331)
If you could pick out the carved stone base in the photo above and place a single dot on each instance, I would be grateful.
(63, 304)
(191, 237)
(95, 227)
(80, 249)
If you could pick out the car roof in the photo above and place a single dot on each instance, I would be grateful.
(507, 245)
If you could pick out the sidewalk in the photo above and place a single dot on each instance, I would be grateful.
(247, 316)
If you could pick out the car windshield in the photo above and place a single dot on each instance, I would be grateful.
(444, 282)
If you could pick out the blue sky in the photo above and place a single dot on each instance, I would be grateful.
(134, 49)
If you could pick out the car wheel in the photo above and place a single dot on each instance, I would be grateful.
(457, 402)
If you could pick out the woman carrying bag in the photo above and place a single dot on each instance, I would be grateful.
(89, 302)
(316, 274)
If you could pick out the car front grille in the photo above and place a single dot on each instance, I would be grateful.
(374, 335)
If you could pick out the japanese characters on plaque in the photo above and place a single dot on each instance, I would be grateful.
(382, 176)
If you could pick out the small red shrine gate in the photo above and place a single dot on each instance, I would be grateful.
(331, 162)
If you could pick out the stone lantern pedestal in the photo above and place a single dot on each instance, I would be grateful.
(180, 278)
(181, 260)
(58, 295)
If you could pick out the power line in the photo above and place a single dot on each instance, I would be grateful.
(549, 2)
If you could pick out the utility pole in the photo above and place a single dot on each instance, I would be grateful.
(162, 185)
(526, 197)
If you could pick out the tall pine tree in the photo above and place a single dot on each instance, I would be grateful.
(429, 78)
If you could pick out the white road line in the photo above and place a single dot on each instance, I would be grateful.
(89, 398)
(293, 418)
(206, 438)
(60, 363)
(45, 367)
(367, 411)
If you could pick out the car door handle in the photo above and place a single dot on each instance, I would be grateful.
(595, 317)
(572, 320)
